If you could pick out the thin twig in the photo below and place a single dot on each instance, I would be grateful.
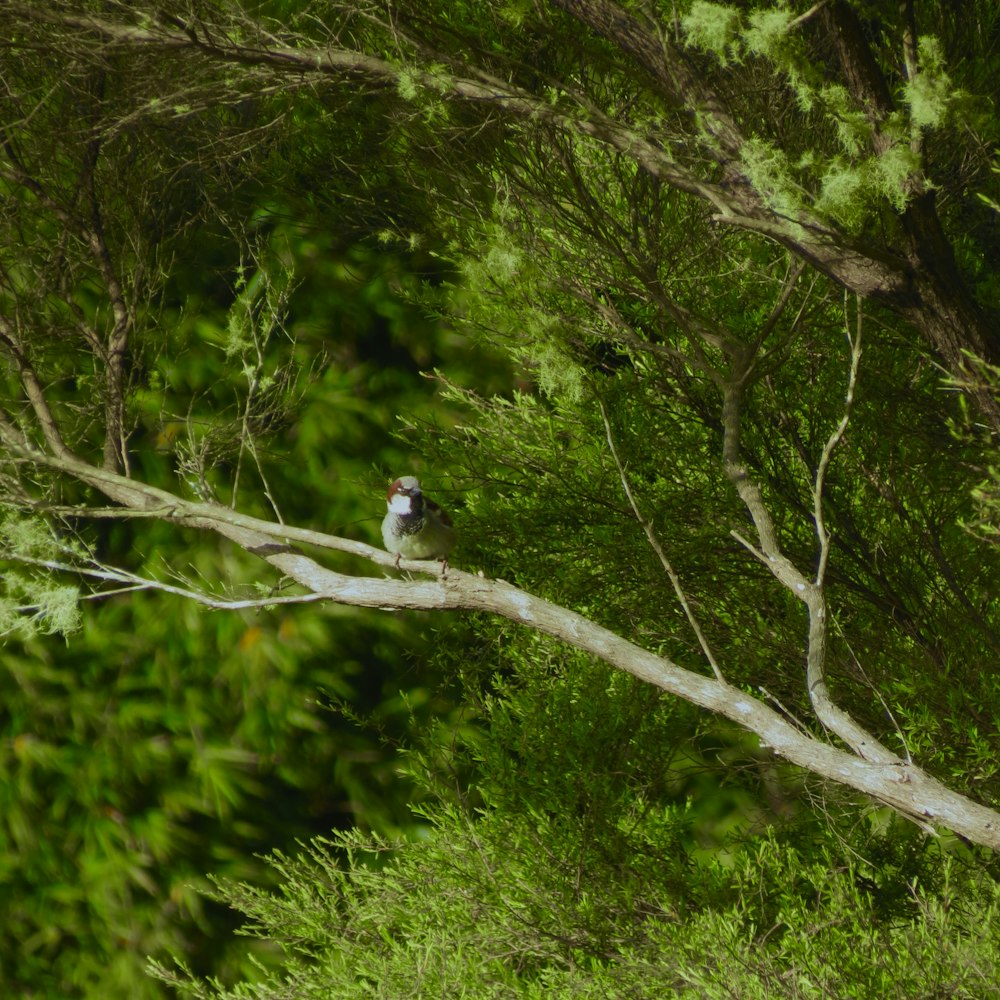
(834, 439)
(134, 582)
(908, 757)
(654, 542)
(34, 391)
(781, 708)
(749, 546)
(811, 12)
(787, 287)
(757, 357)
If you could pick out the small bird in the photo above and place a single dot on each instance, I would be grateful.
(415, 527)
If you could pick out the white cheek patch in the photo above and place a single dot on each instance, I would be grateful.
(400, 504)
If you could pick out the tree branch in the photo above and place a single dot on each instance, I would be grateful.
(736, 202)
(115, 451)
(33, 390)
(770, 553)
(815, 594)
(922, 282)
(666, 65)
(854, 342)
(112, 353)
(133, 582)
(902, 786)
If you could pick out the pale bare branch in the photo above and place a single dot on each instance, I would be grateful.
(892, 781)
(809, 592)
(810, 13)
(134, 582)
(854, 342)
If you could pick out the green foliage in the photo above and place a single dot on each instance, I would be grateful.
(841, 184)
(408, 84)
(578, 875)
(930, 93)
(769, 171)
(31, 603)
(840, 193)
(165, 742)
(768, 31)
(848, 190)
(712, 27)
(984, 520)
(558, 829)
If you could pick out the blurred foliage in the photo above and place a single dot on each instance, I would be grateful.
(164, 741)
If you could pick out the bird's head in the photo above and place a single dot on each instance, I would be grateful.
(402, 493)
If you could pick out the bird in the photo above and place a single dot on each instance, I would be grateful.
(414, 526)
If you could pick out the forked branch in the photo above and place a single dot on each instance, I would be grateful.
(769, 551)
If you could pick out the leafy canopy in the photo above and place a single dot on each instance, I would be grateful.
(689, 282)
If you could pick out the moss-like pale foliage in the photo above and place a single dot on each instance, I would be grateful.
(498, 261)
(769, 172)
(27, 536)
(558, 374)
(408, 84)
(712, 27)
(930, 93)
(768, 36)
(502, 261)
(34, 605)
(842, 193)
(31, 603)
(852, 124)
(768, 30)
(851, 191)
(58, 609)
(894, 166)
